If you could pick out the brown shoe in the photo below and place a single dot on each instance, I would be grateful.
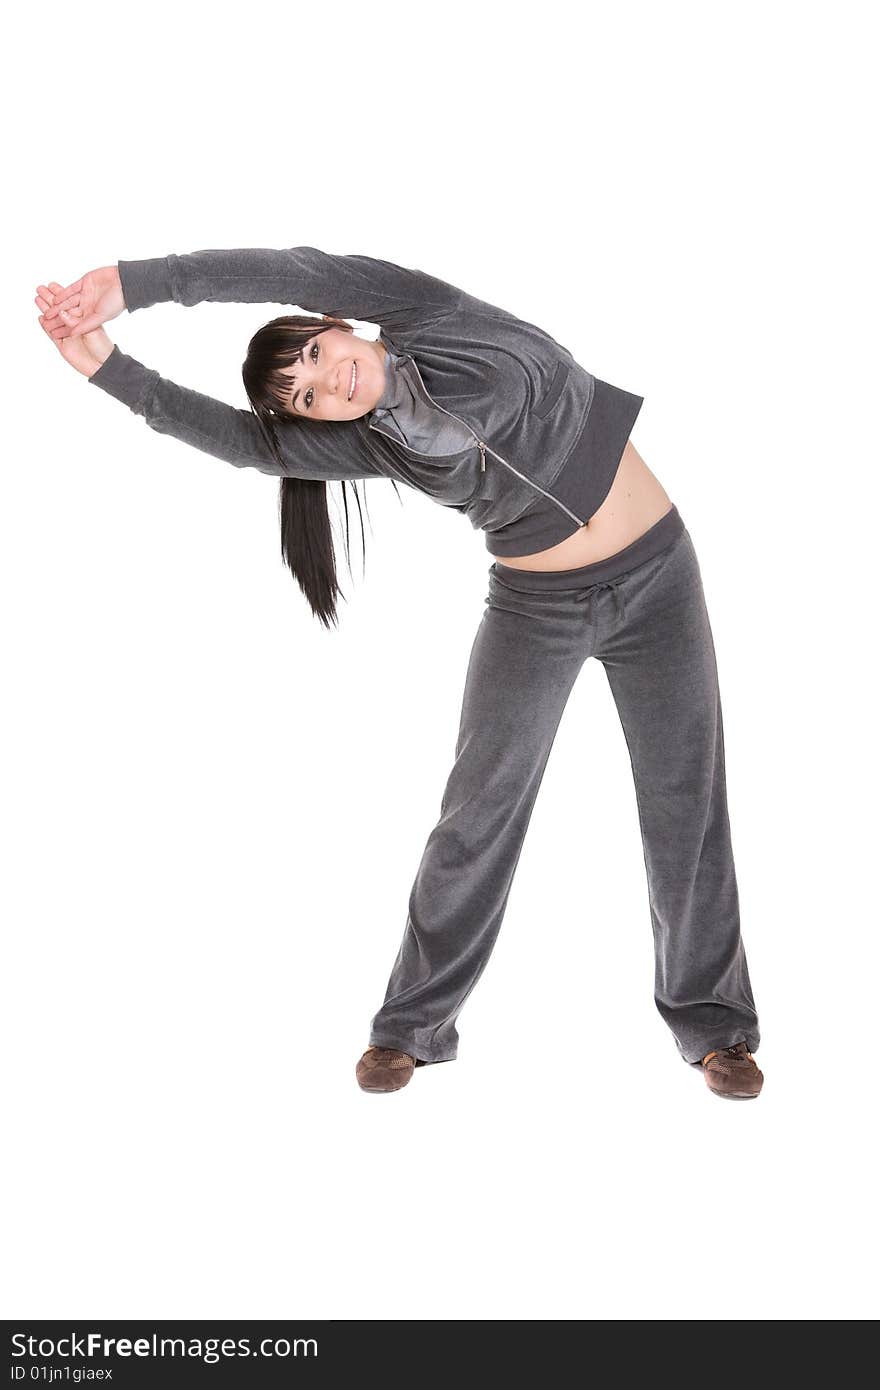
(732, 1071)
(384, 1069)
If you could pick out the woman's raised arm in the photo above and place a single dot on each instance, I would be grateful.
(316, 450)
(345, 287)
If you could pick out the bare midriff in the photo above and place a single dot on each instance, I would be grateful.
(635, 502)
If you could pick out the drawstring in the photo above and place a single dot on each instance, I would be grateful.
(589, 594)
(584, 596)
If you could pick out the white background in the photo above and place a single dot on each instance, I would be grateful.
(214, 810)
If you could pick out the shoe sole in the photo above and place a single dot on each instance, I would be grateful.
(383, 1090)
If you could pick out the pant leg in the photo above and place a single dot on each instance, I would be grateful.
(661, 666)
(523, 664)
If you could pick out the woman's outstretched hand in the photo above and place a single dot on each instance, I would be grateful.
(85, 352)
(83, 306)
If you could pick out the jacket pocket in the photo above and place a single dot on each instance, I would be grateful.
(552, 394)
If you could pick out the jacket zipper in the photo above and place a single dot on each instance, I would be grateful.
(533, 484)
(481, 445)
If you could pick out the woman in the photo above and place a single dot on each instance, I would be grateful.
(490, 416)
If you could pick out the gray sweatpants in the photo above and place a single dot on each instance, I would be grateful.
(642, 612)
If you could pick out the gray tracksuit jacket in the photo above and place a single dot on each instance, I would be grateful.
(545, 435)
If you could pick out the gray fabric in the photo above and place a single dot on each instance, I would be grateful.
(648, 626)
(421, 426)
(534, 409)
(644, 547)
(584, 482)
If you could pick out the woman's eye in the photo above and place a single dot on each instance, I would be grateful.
(310, 393)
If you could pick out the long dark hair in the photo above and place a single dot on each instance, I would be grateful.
(306, 534)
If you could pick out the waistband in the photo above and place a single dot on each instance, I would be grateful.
(658, 537)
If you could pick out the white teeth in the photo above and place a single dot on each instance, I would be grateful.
(353, 379)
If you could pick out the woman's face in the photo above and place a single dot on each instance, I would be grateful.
(333, 362)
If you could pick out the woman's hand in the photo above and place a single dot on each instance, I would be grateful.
(85, 352)
(83, 306)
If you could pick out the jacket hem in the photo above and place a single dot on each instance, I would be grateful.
(659, 538)
(582, 483)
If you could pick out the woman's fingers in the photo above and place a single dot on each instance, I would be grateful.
(46, 298)
(52, 326)
(55, 326)
(70, 302)
(82, 306)
(62, 291)
(50, 299)
(52, 291)
(45, 323)
(78, 326)
(75, 349)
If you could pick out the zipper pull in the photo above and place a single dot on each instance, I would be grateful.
(482, 449)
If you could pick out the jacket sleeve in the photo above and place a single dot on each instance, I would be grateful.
(346, 287)
(316, 450)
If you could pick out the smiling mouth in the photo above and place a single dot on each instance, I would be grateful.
(354, 376)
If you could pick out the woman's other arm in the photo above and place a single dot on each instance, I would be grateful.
(346, 287)
(316, 450)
